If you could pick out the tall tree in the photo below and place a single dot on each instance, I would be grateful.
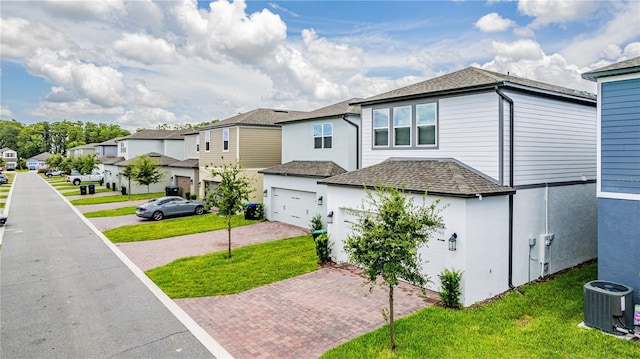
(32, 140)
(84, 164)
(146, 171)
(231, 193)
(386, 237)
(9, 131)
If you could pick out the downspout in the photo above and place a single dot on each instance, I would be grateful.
(344, 117)
(511, 181)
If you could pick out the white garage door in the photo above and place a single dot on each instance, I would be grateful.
(293, 207)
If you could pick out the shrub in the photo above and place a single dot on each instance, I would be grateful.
(259, 211)
(450, 288)
(323, 248)
(316, 223)
(187, 195)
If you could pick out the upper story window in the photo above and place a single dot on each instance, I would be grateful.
(410, 126)
(323, 135)
(381, 127)
(9, 154)
(123, 147)
(426, 124)
(225, 139)
(198, 143)
(207, 141)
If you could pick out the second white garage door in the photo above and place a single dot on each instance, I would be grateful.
(293, 207)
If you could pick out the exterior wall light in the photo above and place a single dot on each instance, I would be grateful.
(191, 181)
(330, 217)
(452, 242)
(320, 201)
(264, 193)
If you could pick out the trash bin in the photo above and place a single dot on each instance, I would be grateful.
(83, 189)
(92, 188)
(250, 211)
(172, 190)
(113, 186)
(318, 232)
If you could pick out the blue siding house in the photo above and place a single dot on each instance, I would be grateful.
(619, 172)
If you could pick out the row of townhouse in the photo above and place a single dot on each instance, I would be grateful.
(516, 162)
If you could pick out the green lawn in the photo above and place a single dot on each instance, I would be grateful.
(4, 195)
(2, 205)
(173, 227)
(250, 267)
(542, 323)
(115, 198)
(112, 212)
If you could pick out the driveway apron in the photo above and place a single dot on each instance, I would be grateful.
(65, 294)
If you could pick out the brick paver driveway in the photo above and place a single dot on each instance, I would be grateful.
(301, 317)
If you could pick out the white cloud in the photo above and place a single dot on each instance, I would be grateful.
(494, 23)
(21, 37)
(518, 50)
(60, 94)
(83, 10)
(225, 29)
(548, 12)
(71, 110)
(5, 112)
(144, 96)
(328, 55)
(145, 49)
(101, 85)
(622, 28)
(145, 14)
(148, 117)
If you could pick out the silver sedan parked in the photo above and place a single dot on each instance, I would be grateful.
(169, 206)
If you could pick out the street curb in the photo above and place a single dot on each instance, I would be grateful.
(7, 204)
(207, 341)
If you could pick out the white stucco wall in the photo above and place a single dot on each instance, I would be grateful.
(174, 148)
(482, 244)
(297, 184)
(572, 218)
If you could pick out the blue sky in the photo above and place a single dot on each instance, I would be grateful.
(143, 63)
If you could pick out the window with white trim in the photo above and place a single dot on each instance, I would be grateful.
(207, 141)
(198, 143)
(323, 135)
(225, 140)
(123, 147)
(381, 127)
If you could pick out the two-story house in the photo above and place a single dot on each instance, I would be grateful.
(619, 172)
(253, 138)
(81, 150)
(107, 148)
(512, 160)
(165, 145)
(315, 145)
(10, 158)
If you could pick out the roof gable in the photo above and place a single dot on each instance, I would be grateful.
(257, 117)
(619, 68)
(337, 109)
(319, 169)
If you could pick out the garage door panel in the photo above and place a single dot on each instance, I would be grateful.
(293, 207)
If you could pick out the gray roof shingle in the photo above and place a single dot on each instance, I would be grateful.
(188, 163)
(443, 177)
(155, 135)
(469, 79)
(110, 160)
(162, 159)
(619, 68)
(257, 117)
(317, 169)
(337, 109)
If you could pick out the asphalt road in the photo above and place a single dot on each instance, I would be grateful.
(65, 294)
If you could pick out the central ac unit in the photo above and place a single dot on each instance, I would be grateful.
(608, 305)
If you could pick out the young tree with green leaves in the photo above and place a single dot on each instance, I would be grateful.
(128, 172)
(146, 171)
(230, 195)
(85, 164)
(386, 237)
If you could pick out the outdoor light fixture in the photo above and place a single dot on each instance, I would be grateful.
(191, 181)
(320, 201)
(264, 193)
(117, 175)
(330, 217)
(171, 179)
(452, 242)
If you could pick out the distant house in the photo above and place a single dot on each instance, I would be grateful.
(513, 160)
(254, 138)
(107, 148)
(134, 188)
(619, 172)
(10, 158)
(82, 150)
(315, 145)
(38, 162)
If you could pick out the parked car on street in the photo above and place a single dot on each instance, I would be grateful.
(169, 206)
(77, 178)
(4, 179)
(51, 173)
